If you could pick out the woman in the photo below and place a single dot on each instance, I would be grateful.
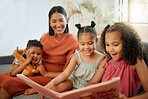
(58, 46)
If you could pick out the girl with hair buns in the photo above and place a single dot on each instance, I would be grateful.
(83, 64)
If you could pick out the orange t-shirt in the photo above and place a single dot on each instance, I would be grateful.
(56, 55)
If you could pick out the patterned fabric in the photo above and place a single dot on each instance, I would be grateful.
(129, 80)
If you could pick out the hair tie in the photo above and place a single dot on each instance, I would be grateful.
(93, 24)
(78, 26)
(108, 26)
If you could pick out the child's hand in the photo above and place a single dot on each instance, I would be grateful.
(49, 85)
(42, 70)
(121, 96)
(29, 56)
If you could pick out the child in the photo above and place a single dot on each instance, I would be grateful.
(8, 80)
(125, 59)
(83, 65)
(32, 53)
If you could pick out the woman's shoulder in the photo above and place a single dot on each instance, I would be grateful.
(45, 37)
(71, 36)
(71, 41)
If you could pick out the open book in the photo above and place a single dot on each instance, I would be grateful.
(105, 90)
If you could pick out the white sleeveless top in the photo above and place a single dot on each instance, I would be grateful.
(83, 72)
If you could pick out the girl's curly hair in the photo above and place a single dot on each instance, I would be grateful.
(132, 45)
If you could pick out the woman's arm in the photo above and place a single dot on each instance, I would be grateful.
(45, 73)
(99, 74)
(74, 46)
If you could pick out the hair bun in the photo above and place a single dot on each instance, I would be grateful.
(93, 24)
(107, 27)
(78, 26)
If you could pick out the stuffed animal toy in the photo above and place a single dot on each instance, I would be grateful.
(29, 70)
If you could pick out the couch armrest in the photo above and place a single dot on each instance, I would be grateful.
(6, 59)
(5, 68)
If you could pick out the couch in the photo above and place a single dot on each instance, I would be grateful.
(5, 66)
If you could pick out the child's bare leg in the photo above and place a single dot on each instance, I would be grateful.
(64, 86)
(30, 91)
(4, 94)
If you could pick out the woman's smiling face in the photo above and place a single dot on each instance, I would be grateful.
(58, 23)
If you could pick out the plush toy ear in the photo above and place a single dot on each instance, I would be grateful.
(20, 51)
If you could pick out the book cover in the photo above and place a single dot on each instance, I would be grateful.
(105, 90)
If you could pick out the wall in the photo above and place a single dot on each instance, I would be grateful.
(85, 19)
(22, 20)
(142, 30)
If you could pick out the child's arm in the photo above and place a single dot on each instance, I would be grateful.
(99, 74)
(65, 74)
(142, 72)
(19, 68)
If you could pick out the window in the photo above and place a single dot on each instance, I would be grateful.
(138, 11)
(132, 11)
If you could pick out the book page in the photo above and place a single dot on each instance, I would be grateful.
(46, 92)
(105, 90)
